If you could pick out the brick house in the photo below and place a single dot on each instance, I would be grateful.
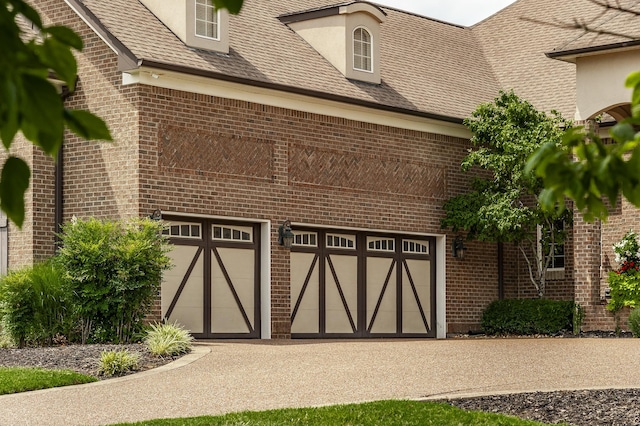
(344, 119)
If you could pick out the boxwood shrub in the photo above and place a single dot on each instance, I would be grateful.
(530, 316)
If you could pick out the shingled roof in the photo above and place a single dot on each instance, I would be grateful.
(515, 42)
(428, 67)
(614, 28)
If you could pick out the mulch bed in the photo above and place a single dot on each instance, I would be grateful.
(83, 359)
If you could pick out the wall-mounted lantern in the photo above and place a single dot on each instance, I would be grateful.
(285, 235)
(457, 247)
(156, 215)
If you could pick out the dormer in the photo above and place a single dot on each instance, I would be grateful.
(347, 35)
(196, 22)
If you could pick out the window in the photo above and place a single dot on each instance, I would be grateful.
(207, 20)
(362, 50)
(307, 239)
(415, 247)
(545, 244)
(381, 244)
(341, 241)
(232, 233)
(182, 230)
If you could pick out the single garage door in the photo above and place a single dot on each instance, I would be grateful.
(214, 287)
(362, 285)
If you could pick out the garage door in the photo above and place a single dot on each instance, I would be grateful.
(362, 285)
(214, 287)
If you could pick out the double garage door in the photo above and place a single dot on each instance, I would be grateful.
(362, 285)
(355, 285)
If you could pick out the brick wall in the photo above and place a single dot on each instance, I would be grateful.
(214, 156)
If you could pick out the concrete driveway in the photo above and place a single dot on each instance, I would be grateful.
(222, 377)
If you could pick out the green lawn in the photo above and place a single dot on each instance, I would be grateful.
(387, 413)
(18, 379)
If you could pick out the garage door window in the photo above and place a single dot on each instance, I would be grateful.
(381, 244)
(415, 247)
(306, 239)
(183, 230)
(341, 241)
(232, 233)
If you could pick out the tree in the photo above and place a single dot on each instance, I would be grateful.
(29, 100)
(590, 172)
(584, 168)
(501, 205)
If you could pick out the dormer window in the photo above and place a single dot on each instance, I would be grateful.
(347, 35)
(196, 22)
(362, 50)
(207, 19)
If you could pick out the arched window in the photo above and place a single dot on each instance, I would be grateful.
(207, 20)
(362, 50)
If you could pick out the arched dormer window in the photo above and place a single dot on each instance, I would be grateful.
(207, 20)
(362, 50)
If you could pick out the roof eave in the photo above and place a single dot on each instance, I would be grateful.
(570, 55)
(295, 90)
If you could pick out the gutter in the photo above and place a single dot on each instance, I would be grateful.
(127, 61)
(295, 90)
(560, 54)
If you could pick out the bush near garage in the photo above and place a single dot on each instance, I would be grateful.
(634, 322)
(34, 304)
(113, 271)
(526, 317)
(98, 288)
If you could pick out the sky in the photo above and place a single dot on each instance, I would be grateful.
(462, 12)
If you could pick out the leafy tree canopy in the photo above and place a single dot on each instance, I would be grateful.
(501, 205)
(590, 172)
(30, 102)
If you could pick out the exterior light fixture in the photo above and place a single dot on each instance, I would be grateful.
(285, 235)
(457, 247)
(156, 215)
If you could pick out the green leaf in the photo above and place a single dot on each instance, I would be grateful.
(9, 101)
(85, 124)
(58, 57)
(43, 112)
(65, 35)
(27, 11)
(233, 6)
(14, 182)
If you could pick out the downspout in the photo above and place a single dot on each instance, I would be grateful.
(58, 194)
(501, 271)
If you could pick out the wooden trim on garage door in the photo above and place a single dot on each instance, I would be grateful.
(362, 284)
(230, 304)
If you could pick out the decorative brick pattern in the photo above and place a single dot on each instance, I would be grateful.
(216, 153)
(337, 169)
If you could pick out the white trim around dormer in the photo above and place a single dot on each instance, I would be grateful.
(298, 102)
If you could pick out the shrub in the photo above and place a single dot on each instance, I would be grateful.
(533, 316)
(116, 363)
(578, 317)
(114, 269)
(624, 282)
(16, 306)
(634, 322)
(33, 304)
(5, 339)
(168, 339)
